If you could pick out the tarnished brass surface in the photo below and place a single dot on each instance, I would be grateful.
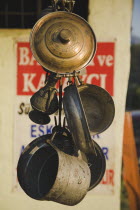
(98, 106)
(45, 99)
(62, 42)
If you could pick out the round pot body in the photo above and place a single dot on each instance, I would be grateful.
(62, 42)
(98, 106)
(46, 173)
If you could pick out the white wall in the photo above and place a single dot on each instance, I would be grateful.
(111, 20)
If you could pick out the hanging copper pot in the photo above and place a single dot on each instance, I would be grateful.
(98, 106)
(62, 42)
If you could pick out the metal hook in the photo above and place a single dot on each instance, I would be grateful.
(46, 78)
(69, 80)
(80, 81)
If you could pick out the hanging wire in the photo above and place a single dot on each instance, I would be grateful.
(46, 78)
(59, 111)
(60, 101)
(55, 120)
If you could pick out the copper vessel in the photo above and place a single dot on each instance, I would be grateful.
(45, 100)
(62, 42)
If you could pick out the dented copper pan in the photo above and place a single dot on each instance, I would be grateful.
(62, 42)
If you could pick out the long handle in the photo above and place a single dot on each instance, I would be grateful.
(89, 143)
(77, 121)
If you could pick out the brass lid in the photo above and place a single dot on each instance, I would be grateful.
(62, 42)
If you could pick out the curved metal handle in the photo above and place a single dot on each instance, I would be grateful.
(76, 120)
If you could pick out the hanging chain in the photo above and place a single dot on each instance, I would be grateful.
(63, 5)
(59, 124)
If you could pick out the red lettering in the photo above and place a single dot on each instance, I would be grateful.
(108, 178)
(31, 76)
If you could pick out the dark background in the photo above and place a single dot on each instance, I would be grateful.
(24, 13)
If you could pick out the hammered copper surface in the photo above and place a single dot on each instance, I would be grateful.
(62, 42)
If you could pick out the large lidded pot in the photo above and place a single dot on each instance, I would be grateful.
(62, 42)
